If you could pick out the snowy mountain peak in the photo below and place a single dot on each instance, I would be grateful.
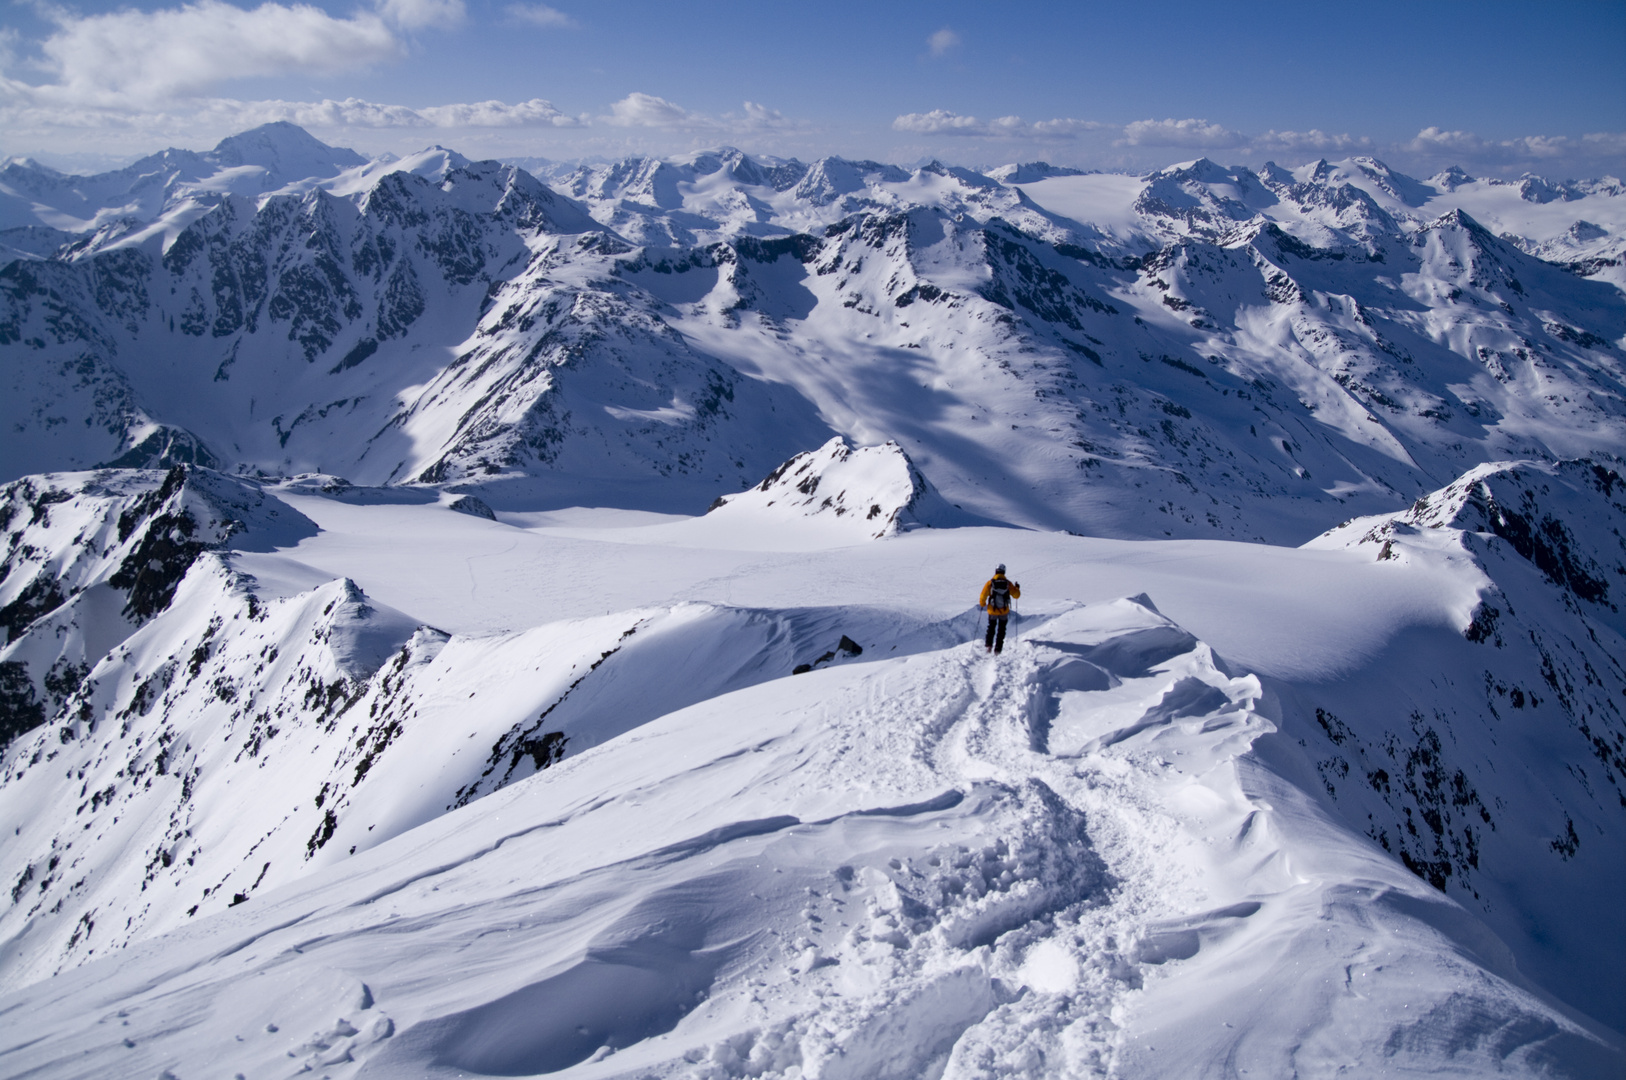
(503, 758)
(1031, 172)
(285, 151)
(870, 492)
(1450, 178)
(1562, 518)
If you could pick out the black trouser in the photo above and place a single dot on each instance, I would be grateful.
(996, 633)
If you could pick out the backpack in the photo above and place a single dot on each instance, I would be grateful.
(999, 594)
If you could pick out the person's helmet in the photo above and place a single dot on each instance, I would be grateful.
(1000, 569)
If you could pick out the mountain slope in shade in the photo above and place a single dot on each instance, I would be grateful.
(1433, 745)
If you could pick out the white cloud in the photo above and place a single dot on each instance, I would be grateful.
(155, 56)
(943, 42)
(1527, 149)
(1433, 138)
(1314, 140)
(761, 118)
(420, 14)
(1606, 142)
(647, 110)
(354, 112)
(540, 15)
(938, 122)
(639, 110)
(533, 113)
(1197, 134)
(227, 115)
(943, 122)
(1063, 128)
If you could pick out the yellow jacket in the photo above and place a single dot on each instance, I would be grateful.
(1016, 591)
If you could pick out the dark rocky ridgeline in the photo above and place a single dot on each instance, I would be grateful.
(91, 557)
(1495, 755)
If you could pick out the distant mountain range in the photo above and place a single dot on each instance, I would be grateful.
(1203, 351)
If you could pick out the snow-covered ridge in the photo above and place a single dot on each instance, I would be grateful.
(1523, 709)
(474, 746)
(90, 557)
(972, 872)
(1094, 851)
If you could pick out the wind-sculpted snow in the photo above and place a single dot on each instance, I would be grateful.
(226, 746)
(934, 864)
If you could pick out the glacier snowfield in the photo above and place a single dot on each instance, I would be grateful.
(467, 623)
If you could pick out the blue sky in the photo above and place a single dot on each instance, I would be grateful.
(1497, 87)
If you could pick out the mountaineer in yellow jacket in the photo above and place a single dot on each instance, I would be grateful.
(996, 601)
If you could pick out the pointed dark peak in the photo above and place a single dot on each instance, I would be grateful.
(1273, 175)
(1178, 172)
(1460, 219)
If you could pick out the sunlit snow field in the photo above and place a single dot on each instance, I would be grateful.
(1289, 612)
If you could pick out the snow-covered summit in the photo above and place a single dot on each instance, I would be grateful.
(285, 151)
(869, 492)
(1030, 172)
(264, 159)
